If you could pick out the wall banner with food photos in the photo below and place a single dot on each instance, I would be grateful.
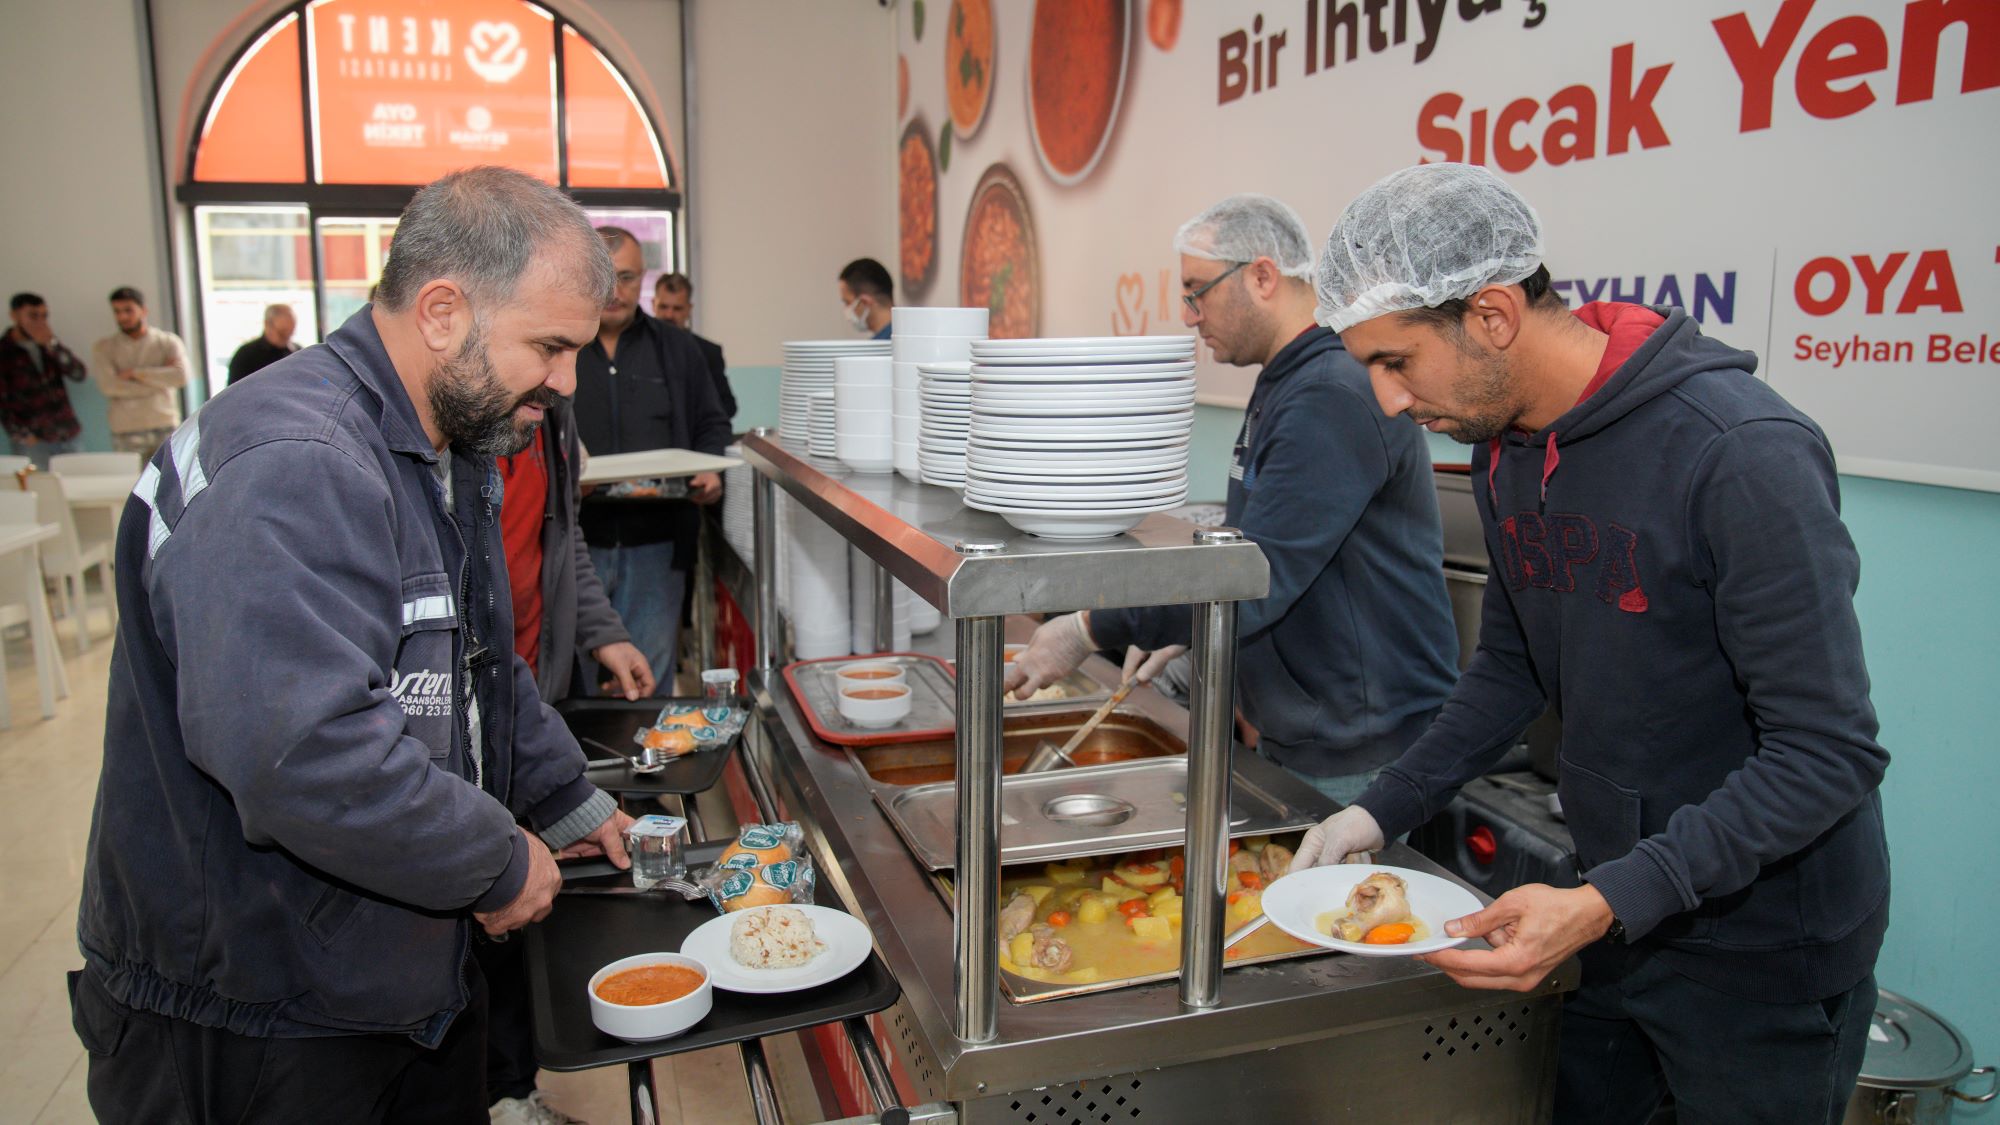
(1812, 179)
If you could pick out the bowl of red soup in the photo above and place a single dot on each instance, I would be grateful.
(650, 996)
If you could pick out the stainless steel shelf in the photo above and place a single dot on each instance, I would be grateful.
(913, 530)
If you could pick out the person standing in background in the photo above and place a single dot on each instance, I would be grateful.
(34, 404)
(867, 297)
(274, 345)
(139, 368)
(641, 384)
(673, 302)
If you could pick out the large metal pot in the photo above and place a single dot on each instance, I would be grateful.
(1914, 1064)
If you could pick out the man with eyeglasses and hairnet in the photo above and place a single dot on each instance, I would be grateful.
(1347, 659)
(1670, 570)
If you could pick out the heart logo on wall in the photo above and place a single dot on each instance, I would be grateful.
(495, 52)
(1129, 318)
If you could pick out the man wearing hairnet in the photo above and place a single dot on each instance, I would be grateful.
(1344, 663)
(1670, 570)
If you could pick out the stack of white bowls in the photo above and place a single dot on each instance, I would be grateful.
(861, 604)
(1080, 438)
(863, 430)
(920, 336)
(809, 368)
(817, 577)
(945, 394)
(820, 426)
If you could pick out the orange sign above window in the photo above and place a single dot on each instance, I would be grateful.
(407, 90)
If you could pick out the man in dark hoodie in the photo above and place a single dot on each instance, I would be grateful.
(1672, 572)
(1347, 659)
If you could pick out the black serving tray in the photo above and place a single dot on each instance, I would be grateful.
(604, 728)
(586, 932)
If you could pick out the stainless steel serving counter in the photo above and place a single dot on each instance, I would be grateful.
(1319, 1038)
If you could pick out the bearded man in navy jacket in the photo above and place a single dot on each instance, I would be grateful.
(1673, 575)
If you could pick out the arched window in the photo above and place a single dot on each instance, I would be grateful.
(337, 110)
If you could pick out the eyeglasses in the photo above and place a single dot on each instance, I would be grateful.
(627, 279)
(1193, 300)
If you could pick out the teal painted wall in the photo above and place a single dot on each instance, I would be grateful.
(756, 391)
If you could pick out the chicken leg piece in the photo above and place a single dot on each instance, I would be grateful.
(1377, 900)
(1016, 916)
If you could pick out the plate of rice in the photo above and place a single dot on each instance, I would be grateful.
(779, 948)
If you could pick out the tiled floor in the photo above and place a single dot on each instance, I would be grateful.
(48, 779)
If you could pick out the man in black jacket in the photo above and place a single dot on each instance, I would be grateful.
(267, 349)
(642, 384)
(1671, 572)
(673, 302)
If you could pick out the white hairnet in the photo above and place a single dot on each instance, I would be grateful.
(1421, 237)
(1244, 228)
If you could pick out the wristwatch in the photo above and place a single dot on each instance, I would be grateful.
(1616, 932)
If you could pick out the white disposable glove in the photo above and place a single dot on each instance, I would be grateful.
(1141, 666)
(1347, 836)
(1058, 646)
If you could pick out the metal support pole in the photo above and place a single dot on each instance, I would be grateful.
(702, 611)
(1209, 739)
(976, 887)
(764, 529)
(875, 1072)
(645, 1099)
(763, 1092)
(885, 609)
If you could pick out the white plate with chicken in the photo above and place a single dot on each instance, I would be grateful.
(1368, 909)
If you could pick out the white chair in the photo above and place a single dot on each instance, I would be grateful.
(11, 464)
(97, 464)
(66, 559)
(22, 602)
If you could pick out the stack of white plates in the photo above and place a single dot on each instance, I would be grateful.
(924, 336)
(738, 523)
(820, 426)
(945, 391)
(1080, 438)
(809, 368)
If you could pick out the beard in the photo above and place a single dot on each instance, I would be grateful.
(1486, 406)
(474, 410)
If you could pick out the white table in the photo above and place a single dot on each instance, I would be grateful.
(97, 499)
(26, 538)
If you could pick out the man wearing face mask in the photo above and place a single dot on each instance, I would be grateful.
(318, 738)
(865, 292)
(1344, 663)
(642, 384)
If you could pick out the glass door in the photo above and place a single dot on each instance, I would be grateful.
(250, 257)
(351, 253)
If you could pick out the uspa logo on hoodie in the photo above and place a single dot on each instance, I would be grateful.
(422, 694)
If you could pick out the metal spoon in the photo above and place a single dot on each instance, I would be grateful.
(1049, 756)
(1245, 930)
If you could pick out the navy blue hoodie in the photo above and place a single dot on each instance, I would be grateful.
(1671, 570)
(1341, 666)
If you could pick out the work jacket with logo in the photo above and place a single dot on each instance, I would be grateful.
(294, 822)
